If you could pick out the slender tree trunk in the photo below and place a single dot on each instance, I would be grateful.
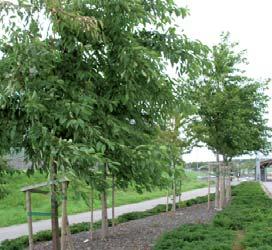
(179, 194)
(224, 187)
(217, 193)
(104, 215)
(222, 190)
(209, 187)
(167, 201)
(54, 209)
(104, 208)
(92, 213)
(174, 196)
(113, 203)
(228, 191)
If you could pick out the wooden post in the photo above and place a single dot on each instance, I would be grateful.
(64, 217)
(65, 232)
(209, 187)
(54, 209)
(29, 220)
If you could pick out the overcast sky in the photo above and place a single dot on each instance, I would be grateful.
(248, 21)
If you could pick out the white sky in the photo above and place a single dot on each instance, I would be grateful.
(248, 21)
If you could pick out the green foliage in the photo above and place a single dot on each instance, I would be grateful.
(249, 211)
(5, 175)
(91, 92)
(230, 106)
(196, 237)
(243, 211)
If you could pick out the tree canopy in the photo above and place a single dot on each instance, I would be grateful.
(230, 106)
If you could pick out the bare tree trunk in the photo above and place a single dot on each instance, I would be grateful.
(217, 193)
(228, 191)
(209, 187)
(104, 215)
(92, 213)
(222, 190)
(224, 187)
(174, 189)
(179, 194)
(113, 203)
(54, 208)
(167, 200)
(104, 208)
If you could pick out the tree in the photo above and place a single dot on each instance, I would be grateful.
(170, 136)
(230, 107)
(90, 93)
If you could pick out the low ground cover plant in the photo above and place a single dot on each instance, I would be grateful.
(249, 215)
(22, 242)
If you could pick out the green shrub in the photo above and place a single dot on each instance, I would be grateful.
(196, 237)
(250, 211)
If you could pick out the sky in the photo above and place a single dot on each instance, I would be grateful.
(249, 23)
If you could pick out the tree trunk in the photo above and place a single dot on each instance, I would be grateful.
(222, 190)
(104, 215)
(209, 187)
(104, 208)
(228, 191)
(224, 187)
(217, 193)
(174, 189)
(179, 194)
(54, 209)
(92, 213)
(167, 200)
(113, 203)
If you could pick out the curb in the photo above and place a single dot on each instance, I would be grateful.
(266, 190)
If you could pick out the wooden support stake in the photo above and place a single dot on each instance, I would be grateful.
(29, 220)
(65, 232)
(54, 208)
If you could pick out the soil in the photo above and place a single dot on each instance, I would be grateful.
(139, 234)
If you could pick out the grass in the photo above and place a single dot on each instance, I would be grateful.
(22, 242)
(246, 224)
(12, 207)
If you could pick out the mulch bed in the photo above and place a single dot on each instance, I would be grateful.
(140, 234)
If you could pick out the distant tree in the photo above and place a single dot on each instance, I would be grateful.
(230, 106)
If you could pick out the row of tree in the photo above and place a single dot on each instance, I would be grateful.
(84, 89)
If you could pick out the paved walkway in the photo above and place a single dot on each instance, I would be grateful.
(15, 231)
(267, 188)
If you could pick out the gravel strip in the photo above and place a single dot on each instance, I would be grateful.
(140, 234)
